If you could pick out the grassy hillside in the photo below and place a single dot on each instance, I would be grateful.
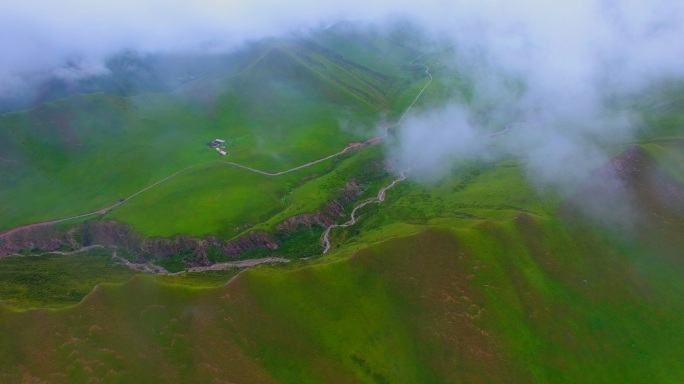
(214, 198)
(520, 301)
(292, 102)
(125, 74)
(475, 278)
(58, 281)
(369, 46)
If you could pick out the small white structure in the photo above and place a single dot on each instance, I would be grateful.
(216, 143)
(223, 153)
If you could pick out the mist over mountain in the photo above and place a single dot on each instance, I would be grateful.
(579, 45)
(552, 70)
(475, 191)
(126, 74)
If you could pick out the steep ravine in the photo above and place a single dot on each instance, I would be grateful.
(195, 251)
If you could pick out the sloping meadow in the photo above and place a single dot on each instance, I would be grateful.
(526, 300)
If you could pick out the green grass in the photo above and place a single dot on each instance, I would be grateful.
(212, 199)
(670, 157)
(54, 280)
(498, 302)
(291, 105)
(367, 48)
(473, 279)
(472, 192)
(363, 166)
(57, 281)
(206, 279)
(286, 103)
(221, 200)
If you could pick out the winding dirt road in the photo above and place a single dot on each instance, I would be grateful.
(80, 250)
(402, 176)
(151, 268)
(378, 199)
(351, 146)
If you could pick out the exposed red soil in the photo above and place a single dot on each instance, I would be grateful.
(635, 194)
(633, 177)
(44, 238)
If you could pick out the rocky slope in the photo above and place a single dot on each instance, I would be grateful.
(44, 239)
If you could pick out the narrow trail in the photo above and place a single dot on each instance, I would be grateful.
(347, 148)
(156, 269)
(382, 193)
(402, 176)
(52, 222)
(146, 268)
(151, 268)
(352, 146)
(240, 264)
(378, 199)
(659, 104)
(427, 72)
(98, 212)
(80, 250)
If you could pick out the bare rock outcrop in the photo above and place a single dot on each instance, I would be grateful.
(324, 217)
(194, 251)
(37, 238)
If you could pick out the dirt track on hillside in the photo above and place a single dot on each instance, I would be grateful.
(151, 268)
(350, 147)
(378, 199)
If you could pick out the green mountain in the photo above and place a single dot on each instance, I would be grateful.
(475, 278)
(441, 296)
(293, 102)
(125, 74)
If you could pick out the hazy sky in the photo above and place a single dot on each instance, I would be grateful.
(555, 37)
(43, 34)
